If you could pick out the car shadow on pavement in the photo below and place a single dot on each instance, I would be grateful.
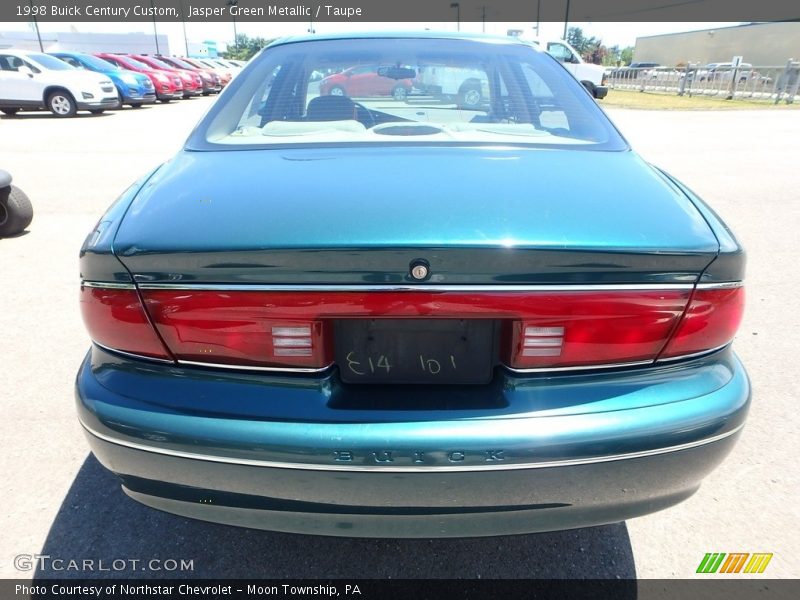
(98, 521)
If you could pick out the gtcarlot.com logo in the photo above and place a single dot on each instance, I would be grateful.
(734, 562)
(46, 562)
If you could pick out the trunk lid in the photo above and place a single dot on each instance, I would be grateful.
(362, 215)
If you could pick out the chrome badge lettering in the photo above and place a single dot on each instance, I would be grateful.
(419, 457)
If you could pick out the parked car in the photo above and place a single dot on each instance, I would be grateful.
(467, 87)
(168, 86)
(593, 77)
(366, 81)
(225, 73)
(16, 211)
(637, 70)
(192, 82)
(33, 81)
(223, 77)
(400, 320)
(723, 72)
(134, 88)
(210, 80)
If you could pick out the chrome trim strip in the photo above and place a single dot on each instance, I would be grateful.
(412, 287)
(410, 468)
(636, 363)
(724, 285)
(692, 355)
(192, 363)
(132, 355)
(110, 285)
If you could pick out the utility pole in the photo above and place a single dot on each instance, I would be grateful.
(538, 15)
(566, 21)
(483, 18)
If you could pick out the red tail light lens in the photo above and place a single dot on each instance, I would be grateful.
(239, 328)
(586, 329)
(544, 329)
(541, 330)
(710, 321)
(115, 319)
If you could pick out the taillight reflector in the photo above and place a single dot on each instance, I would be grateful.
(115, 319)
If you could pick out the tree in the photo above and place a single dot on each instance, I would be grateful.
(245, 47)
(591, 49)
(626, 55)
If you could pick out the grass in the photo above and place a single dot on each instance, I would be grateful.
(671, 101)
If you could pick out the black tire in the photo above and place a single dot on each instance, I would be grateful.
(165, 100)
(136, 105)
(337, 90)
(61, 104)
(469, 96)
(400, 93)
(16, 211)
(97, 111)
(9, 111)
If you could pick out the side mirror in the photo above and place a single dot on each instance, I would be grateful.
(25, 71)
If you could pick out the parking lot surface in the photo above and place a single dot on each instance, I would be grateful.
(58, 501)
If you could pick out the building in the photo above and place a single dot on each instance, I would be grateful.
(71, 41)
(761, 44)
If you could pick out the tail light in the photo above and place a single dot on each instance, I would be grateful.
(293, 329)
(711, 321)
(116, 319)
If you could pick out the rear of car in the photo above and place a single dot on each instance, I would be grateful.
(406, 318)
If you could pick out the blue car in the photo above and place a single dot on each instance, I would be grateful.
(134, 88)
(410, 317)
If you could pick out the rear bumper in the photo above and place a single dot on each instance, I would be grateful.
(555, 453)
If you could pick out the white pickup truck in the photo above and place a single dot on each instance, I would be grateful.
(593, 77)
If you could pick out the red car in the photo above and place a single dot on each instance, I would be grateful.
(211, 82)
(192, 83)
(168, 86)
(365, 81)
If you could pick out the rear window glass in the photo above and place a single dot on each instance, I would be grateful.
(407, 91)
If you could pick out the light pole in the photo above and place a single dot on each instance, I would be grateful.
(457, 6)
(235, 35)
(538, 15)
(183, 22)
(155, 31)
(36, 26)
(566, 21)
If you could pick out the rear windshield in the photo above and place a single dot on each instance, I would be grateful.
(335, 92)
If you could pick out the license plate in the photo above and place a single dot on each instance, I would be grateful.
(416, 351)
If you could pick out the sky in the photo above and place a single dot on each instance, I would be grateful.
(621, 34)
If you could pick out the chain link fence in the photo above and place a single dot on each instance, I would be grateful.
(723, 80)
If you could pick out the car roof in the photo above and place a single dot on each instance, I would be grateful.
(430, 35)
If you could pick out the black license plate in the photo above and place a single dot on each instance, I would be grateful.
(421, 351)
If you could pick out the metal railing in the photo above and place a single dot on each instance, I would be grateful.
(748, 82)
